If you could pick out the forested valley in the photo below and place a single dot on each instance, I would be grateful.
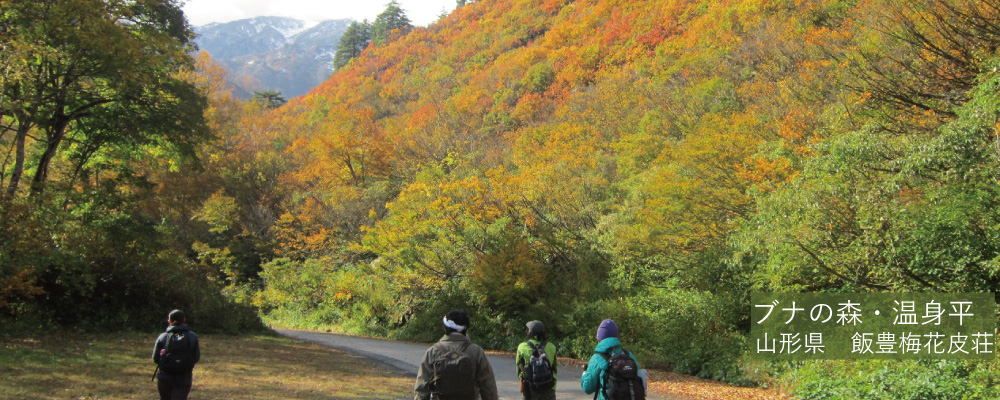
(654, 162)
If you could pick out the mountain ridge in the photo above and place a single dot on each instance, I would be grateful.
(273, 53)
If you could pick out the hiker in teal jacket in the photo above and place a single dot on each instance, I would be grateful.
(593, 377)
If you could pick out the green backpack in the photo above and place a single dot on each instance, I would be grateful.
(454, 374)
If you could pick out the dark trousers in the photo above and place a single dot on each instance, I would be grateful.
(173, 387)
(548, 394)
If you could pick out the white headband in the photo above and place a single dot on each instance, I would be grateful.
(449, 323)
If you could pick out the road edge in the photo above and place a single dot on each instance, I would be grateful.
(407, 369)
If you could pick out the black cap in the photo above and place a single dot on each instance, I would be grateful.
(535, 329)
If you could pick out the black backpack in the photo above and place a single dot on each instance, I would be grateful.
(621, 379)
(538, 369)
(179, 356)
(454, 374)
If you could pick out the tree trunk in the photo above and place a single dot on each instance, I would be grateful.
(19, 143)
(55, 137)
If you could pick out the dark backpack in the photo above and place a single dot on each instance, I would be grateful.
(621, 379)
(179, 356)
(538, 369)
(454, 374)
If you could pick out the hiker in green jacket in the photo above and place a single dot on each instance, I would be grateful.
(454, 367)
(538, 381)
(596, 376)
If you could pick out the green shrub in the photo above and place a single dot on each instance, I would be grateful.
(689, 330)
(888, 379)
(103, 265)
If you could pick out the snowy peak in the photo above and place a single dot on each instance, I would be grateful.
(247, 36)
(322, 31)
(273, 53)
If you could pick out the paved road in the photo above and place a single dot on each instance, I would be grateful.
(406, 357)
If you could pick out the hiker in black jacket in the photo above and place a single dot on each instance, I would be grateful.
(175, 353)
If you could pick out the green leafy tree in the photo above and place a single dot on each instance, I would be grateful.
(352, 43)
(389, 21)
(98, 75)
(93, 101)
(877, 210)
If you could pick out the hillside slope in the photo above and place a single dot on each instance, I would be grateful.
(535, 152)
(645, 161)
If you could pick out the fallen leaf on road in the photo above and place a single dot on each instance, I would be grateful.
(677, 385)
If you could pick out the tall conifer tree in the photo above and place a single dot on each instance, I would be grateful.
(354, 41)
(393, 18)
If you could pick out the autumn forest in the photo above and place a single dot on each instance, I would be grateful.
(654, 162)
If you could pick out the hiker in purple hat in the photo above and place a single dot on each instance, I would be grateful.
(613, 372)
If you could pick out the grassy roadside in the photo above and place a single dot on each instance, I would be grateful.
(118, 366)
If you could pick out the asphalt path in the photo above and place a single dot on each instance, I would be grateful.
(406, 357)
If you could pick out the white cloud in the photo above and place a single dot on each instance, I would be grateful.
(201, 12)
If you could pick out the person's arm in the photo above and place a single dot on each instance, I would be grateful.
(487, 382)
(519, 361)
(157, 346)
(555, 366)
(421, 390)
(591, 379)
(642, 373)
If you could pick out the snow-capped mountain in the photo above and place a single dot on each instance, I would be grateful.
(273, 53)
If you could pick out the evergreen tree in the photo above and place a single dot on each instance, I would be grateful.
(270, 98)
(391, 19)
(352, 43)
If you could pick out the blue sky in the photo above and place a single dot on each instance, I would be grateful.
(420, 12)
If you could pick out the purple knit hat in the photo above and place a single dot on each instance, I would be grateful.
(607, 329)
